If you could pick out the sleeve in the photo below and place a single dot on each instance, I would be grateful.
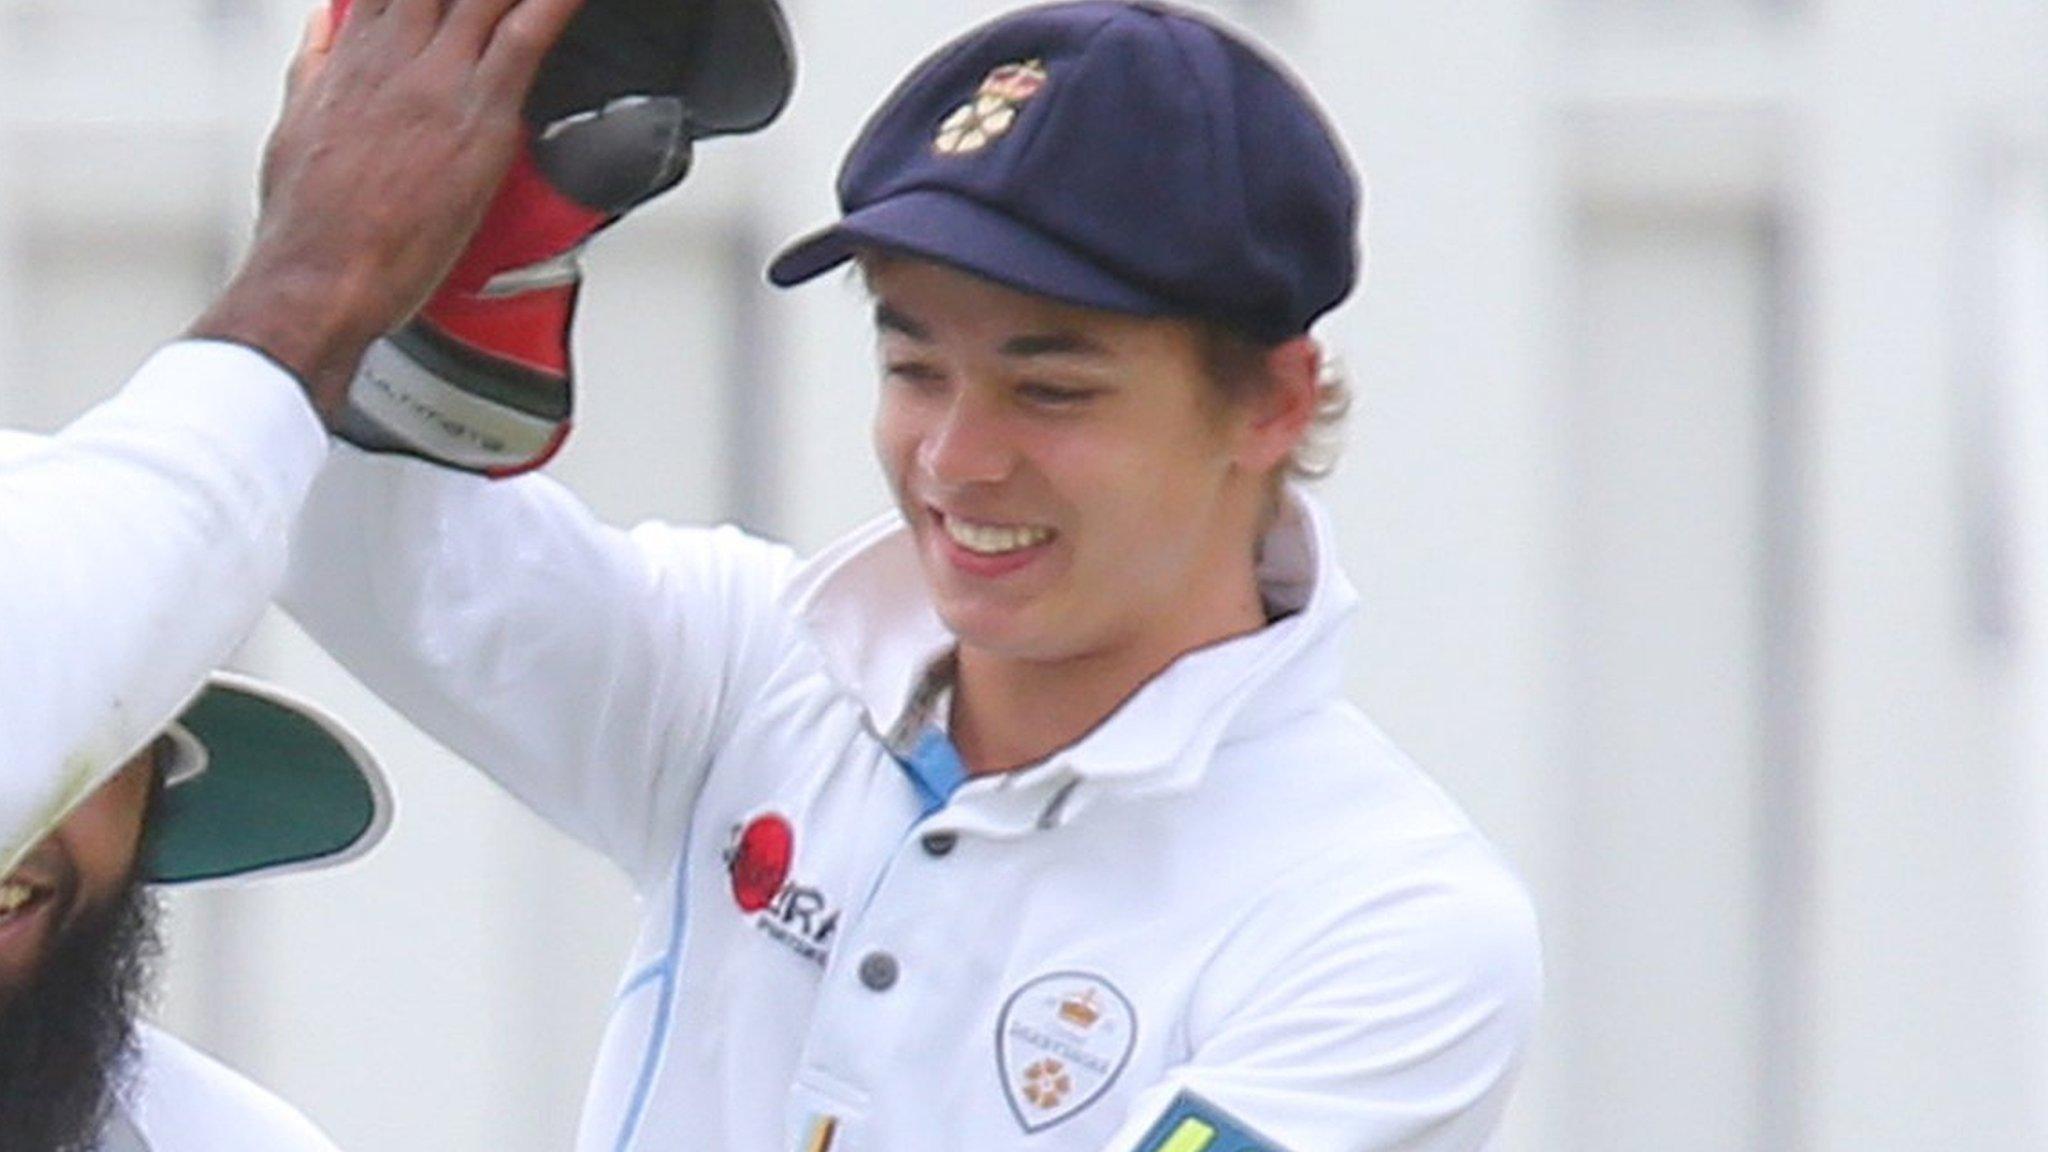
(140, 544)
(593, 672)
(1391, 1022)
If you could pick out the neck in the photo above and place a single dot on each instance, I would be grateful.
(1010, 712)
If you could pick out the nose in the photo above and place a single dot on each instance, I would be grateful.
(967, 444)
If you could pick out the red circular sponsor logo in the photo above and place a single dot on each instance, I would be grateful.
(760, 862)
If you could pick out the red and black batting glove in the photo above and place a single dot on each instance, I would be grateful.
(480, 378)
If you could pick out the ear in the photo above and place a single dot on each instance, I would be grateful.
(1283, 412)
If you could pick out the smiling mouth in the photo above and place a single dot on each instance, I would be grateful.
(19, 898)
(993, 539)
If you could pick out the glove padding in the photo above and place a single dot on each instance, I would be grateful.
(480, 378)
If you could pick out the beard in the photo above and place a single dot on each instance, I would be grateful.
(66, 1038)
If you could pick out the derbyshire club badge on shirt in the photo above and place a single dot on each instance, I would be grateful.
(1061, 1041)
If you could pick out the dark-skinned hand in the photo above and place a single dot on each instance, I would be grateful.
(396, 130)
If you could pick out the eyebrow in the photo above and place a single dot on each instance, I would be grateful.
(890, 320)
(1057, 343)
(1054, 344)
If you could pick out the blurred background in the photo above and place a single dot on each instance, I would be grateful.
(1698, 491)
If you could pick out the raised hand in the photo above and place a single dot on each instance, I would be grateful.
(400, 119)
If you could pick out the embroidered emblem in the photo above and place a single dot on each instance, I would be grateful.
(993, 111)
(759, 856)
(1061, 1040)
(1047, 1085)
(1192, 1124)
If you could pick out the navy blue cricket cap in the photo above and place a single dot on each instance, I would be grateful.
(1128, 156)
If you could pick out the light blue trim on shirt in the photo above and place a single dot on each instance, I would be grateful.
(639, 980)
(664, 971)
(934, 769)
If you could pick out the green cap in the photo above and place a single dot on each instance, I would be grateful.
(261, 782)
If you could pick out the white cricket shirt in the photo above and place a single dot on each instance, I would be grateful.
(181, 1100)
(1232, 908)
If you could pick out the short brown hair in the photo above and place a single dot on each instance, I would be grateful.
(1236, 366)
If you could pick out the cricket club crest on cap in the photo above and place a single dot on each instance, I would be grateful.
(1127, 155)
(993, 111)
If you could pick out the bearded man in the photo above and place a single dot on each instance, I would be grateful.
(248, 782)
(139, 544)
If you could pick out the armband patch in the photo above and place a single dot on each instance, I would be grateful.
(1192, 1124)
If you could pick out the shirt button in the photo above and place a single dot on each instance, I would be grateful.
(939, 843)
(878, 971)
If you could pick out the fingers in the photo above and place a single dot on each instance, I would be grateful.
(351, 14)
(418, 18)
(519, 44)
(406, 22)
(318, 37)
(506, 39)
(314, 43)
(467, 25)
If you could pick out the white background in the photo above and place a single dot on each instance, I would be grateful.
(1698, 490)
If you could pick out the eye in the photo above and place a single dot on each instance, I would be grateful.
(1055, 395)
(915, 374)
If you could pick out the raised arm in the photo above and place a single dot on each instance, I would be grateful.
(139, 544)
(591, 671)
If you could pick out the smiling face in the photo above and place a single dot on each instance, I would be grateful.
(75, 952)
(1080, 493)
(79, 868)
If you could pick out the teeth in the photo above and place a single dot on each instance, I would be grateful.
(13, 894)
(994, 539)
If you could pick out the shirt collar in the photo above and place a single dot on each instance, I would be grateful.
(863, 603)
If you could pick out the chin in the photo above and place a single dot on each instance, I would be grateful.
(1012, 636)
(998, 629)
(978, 628)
